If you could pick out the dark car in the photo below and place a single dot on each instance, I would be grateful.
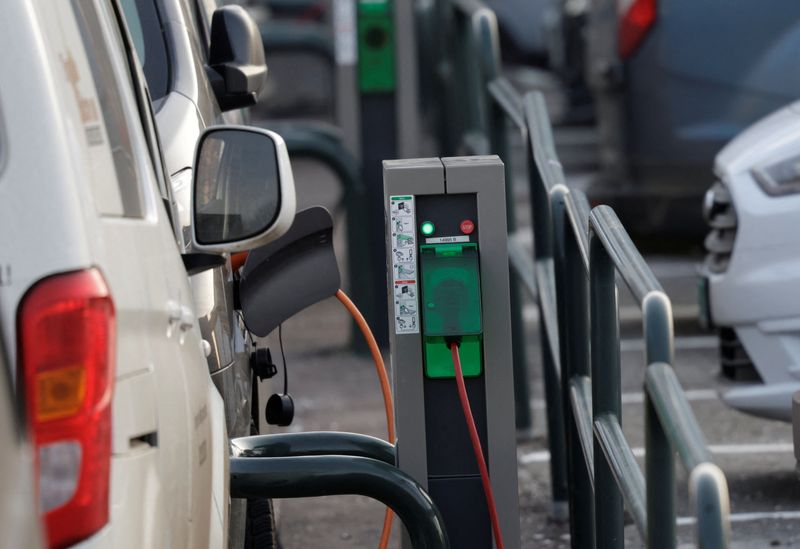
(673, 81)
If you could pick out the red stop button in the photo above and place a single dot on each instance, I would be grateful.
(467, 226)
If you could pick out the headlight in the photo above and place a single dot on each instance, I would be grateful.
(779, 178)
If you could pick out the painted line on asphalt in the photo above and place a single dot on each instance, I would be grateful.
(692, 395)
(749, 517)
(543, 456)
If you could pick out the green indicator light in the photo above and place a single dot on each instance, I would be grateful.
(427, 228)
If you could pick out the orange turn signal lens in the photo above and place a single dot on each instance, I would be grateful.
(61, 392)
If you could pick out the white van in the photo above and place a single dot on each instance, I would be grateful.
(172, 39)
(128, 429)
(19, 520)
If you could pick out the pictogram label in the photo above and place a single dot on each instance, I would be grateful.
(402, 225)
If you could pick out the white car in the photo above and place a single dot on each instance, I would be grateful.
(172, 38)
(95, 306)
(19, 518)
(752, 268)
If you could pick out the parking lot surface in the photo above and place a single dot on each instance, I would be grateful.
(338, 390)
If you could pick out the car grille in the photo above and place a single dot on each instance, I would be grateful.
(736, 363)
(720, 215)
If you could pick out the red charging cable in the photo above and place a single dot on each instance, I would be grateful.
(476, 446)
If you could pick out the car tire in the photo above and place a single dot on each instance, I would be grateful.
(260, 529)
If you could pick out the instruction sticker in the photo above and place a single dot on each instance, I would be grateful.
(402, 224)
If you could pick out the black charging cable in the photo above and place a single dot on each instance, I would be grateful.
(280, 406)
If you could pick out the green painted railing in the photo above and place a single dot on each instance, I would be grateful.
(578, 255)
(330, 475)
(591, 251)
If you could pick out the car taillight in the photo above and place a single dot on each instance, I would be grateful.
(66, 333)
(636, 19)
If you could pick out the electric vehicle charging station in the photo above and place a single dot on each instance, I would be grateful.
(447, 257)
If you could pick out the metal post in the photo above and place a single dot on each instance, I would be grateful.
(348, 117)
(377, 83)
(555, 430)
(659, 457)
(709, 498)
(605, 389)
(522, 391)
(314, 476)
(572, 292)
(409, 127)
(554, 380)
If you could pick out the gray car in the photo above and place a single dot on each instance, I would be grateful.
(173, 39)
(673, 82)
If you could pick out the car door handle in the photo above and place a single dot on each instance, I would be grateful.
(187, 318)
(180, 317)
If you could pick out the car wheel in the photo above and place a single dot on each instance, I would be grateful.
(260, 530)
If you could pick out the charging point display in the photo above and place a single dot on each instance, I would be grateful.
(451, 297)
(375, 46)
(446, 228)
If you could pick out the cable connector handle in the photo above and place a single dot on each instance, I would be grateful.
(262, 364)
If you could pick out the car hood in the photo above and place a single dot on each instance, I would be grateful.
(772, 137)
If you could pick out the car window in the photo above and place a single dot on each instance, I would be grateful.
(147, 34)
(200, 20)
(117, 128)
(138, 80)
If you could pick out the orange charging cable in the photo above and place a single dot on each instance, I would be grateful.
(385, 389)
(476, 446)
(237, 261)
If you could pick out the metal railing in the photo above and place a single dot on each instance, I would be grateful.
(578, 255)
(602, 470)
(591, 249)
(318, 464)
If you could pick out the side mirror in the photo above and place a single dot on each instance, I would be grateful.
(242, 189)
(236, 64)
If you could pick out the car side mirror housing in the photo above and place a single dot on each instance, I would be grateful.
(236, 65)
(243, 192)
